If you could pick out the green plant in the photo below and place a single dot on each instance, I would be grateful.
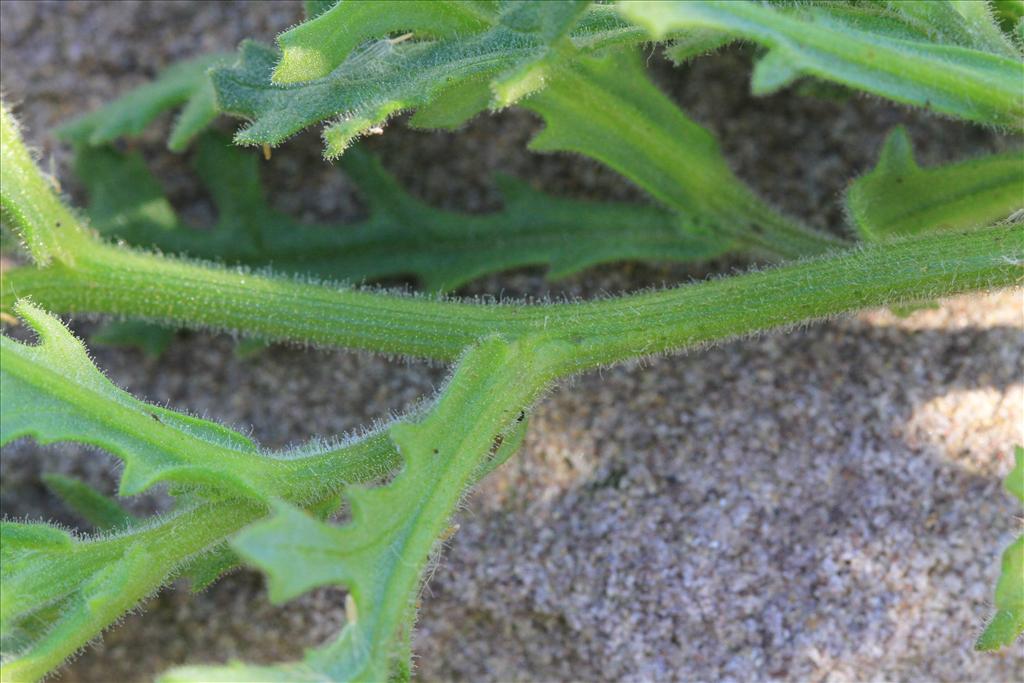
(1008, 621)
(924, 233)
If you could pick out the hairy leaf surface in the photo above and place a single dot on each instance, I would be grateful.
(607, 108)
(507, 53)
(1007, 623)
(314, 48)
(59, 591)
(899, 198)
(53, 392)
(183, 83)
(936, 55)
(349, 66)
(28, 202)
(401, 236)
(381, 554)
(97, 509)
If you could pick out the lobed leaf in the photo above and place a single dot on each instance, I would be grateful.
(593, 105)
(97, 509)
(899, 198)
(59, 591)
(937, 55)
(401, 236)
(183, 83)
(314, 48)
(151, 339)
(53, 392)
(1007, 624)
(382, 553)
(490, 57)
(98, 598)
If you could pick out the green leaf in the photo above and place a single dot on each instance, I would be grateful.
(97, 509)
(316, 47)
(183, 83)
(608, 109)
(314, 8)
(106, 514)
(100, 598)
(460, 103)
(53, 392)
(966, 23)
(899, 198)
(125, 200)
(1008, 622)
(510, 52)
(936, 55)
(149, 338)
(198, 112)
(20, 538)
(553, 22)
(382, 553)
(696, 43)
(57, 591)
(1015, 480)
(401, 236)
(1008, 13)
(405, 76)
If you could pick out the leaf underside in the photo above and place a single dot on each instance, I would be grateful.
(947, 57)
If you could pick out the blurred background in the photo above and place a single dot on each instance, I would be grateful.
(823, 505)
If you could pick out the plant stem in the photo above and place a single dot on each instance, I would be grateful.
(168, 544)
(114, 280)
(171, 543)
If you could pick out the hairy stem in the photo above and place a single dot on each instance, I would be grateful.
(108, 279)
(169, 542)
(155, 553)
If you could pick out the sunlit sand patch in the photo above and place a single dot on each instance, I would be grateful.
(1004, 308)
(975, 428)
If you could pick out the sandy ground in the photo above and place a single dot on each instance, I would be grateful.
(823, 505)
